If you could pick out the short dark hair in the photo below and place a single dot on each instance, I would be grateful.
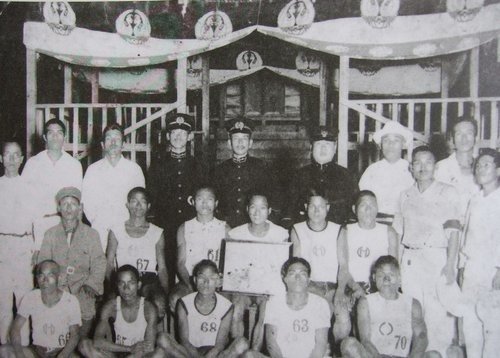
(295, 260)
(40, 264)
(315, 191)
(203, 264)
(465, 119)
(138, 189)
(488, 152)
(10, 141)
(385, 260)
(128, 268)
(51, 122)
(421, 149)
(364, 193)
(204, 186)
(110, 127)
(250, 196)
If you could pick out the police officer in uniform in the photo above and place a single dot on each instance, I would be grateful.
(241, 175)
(171, 179)
(338, 183)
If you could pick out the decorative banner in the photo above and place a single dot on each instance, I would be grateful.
(307, 63)
(133, 25)
(379, 13)
(296, 17)
(247, 60)
(59, 16)
(194, 66)
(213, 25)
(464, 10)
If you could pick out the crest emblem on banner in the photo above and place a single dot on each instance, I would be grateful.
(379, 13)
(296, 17)
(247, 60)
(59, 16)
(307, 63)
(133, 25)
(213, 25)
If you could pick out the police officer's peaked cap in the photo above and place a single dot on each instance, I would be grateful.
(68, 191)
(239, 125)
(180, 121)
(323, 133)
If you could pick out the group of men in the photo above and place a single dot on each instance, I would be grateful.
(434, 211)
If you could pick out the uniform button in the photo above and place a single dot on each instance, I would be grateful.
(238, 178)
(179, 172)
(180, 197)
(179, 211)
(239, 200)
(239, 166)
(178, 160)
(237, 211)
(239, 189)
(179, 185)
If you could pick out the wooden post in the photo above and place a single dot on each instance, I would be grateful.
(205, 101)
(323, 92)
(222, 105)
(342, 143)
(445, 89)
(181, 82)
(31, 88)
(68, 85)
(474, 87)
(94, 86)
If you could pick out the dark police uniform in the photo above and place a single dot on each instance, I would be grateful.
(336, 181)
(236, 179)
(171, 179)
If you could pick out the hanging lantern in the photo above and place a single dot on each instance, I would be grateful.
(213, 25)
(194, 66)
(368, 69)
(430, 65)
(59, 16)
(296, 17)
(464, 10)
(379, 13)
(307, 63)
(247, 60)
(133, 25)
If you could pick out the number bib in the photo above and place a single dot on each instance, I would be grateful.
(390, 324)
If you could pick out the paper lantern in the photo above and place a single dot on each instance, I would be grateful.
(379, 13)
(307, 63)
(213, 25)
(59, 16)
(464, 10)
(194, 66)
(247, 60)
(296, 17)
(133, 25)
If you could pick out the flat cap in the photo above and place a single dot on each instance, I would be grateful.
(323, 133)
(180, 121)
(239, 125)
(68, 191)
(392, 127)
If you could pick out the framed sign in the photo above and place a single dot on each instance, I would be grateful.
(253, 267)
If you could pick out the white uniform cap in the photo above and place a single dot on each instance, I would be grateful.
(392, 127)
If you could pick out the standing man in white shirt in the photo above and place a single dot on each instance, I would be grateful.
(107, 183)
(388, 177)
(48, 172)
(456, 170)
(16, 240)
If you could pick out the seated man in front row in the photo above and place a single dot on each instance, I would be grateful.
(55, 316)
(390, 324)
(134, 321)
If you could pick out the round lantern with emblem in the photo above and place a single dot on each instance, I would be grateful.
(379, 13)
(247, 60)
(296, 17)
(308, 64)
(133, 25)
(464, 10)
(213, 25)
(59, 16)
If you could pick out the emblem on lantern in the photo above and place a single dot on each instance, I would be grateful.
(307, 63)
(464, 10)
(213, 25)
(133, 25)
(379, 13)
(247, 60)
(59, 16)
(296, 17)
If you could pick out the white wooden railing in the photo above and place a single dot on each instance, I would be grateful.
(425, 117)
